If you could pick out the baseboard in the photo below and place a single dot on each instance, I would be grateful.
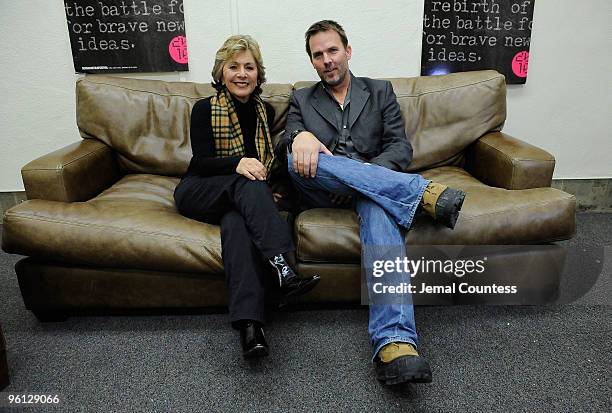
(10, 199)
(591, 194)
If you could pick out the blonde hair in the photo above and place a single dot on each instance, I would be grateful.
(232, 46)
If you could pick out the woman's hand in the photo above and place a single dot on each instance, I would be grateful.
(252, 169)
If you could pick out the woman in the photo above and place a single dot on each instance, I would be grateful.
(226, 184)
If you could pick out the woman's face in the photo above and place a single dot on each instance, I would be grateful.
(240, 75)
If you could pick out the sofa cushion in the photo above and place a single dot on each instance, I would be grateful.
(132, 225)
(490, 216)
(147, 121)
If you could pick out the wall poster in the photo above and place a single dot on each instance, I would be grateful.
(464, 35)
(111, 36)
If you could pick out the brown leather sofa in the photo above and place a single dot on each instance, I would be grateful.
(101, 230)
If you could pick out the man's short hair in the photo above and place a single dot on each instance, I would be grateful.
(323, 26)
(231, 47)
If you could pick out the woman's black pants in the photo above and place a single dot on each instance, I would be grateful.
(251, 232)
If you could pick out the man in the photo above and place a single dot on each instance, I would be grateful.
(347, 143)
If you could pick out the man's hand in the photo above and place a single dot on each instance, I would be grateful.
(252, 169)
(305, 150)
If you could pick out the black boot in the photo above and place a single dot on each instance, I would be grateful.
(291, 284)
(253, 340)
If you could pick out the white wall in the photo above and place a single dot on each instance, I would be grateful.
(565, 107)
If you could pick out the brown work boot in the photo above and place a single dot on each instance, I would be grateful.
(399, 363)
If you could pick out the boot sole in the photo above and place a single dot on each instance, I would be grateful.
(406, 369)
(257, 351)
(417, 378)
(449, 211)
(304, 288)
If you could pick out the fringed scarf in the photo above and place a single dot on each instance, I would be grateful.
(228, 135)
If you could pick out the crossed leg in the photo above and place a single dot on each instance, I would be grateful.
(385, 201)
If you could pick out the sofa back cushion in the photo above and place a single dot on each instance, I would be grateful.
(147, 121)
(445, 114)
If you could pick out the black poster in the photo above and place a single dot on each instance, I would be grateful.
(464, 35)
(110, 36)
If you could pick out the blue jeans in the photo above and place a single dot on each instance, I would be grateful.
(386, 202)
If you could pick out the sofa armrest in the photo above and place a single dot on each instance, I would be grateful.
(76, 172)
(500, 160)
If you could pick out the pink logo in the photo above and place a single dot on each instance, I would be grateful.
(178, 49)
(520, 63)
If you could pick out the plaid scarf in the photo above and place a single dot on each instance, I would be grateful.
(226, 129)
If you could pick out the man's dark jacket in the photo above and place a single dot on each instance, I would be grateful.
(376, 124)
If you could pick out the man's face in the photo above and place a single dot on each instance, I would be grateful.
(329, 57)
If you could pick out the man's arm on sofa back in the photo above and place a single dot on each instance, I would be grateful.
(74, 173)
(500, 160)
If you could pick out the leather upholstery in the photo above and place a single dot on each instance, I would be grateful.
(500, 160)
(49, 285)
(134, 224)
(451, 112)
(102, 229)
(74, 173)
(534, 269)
